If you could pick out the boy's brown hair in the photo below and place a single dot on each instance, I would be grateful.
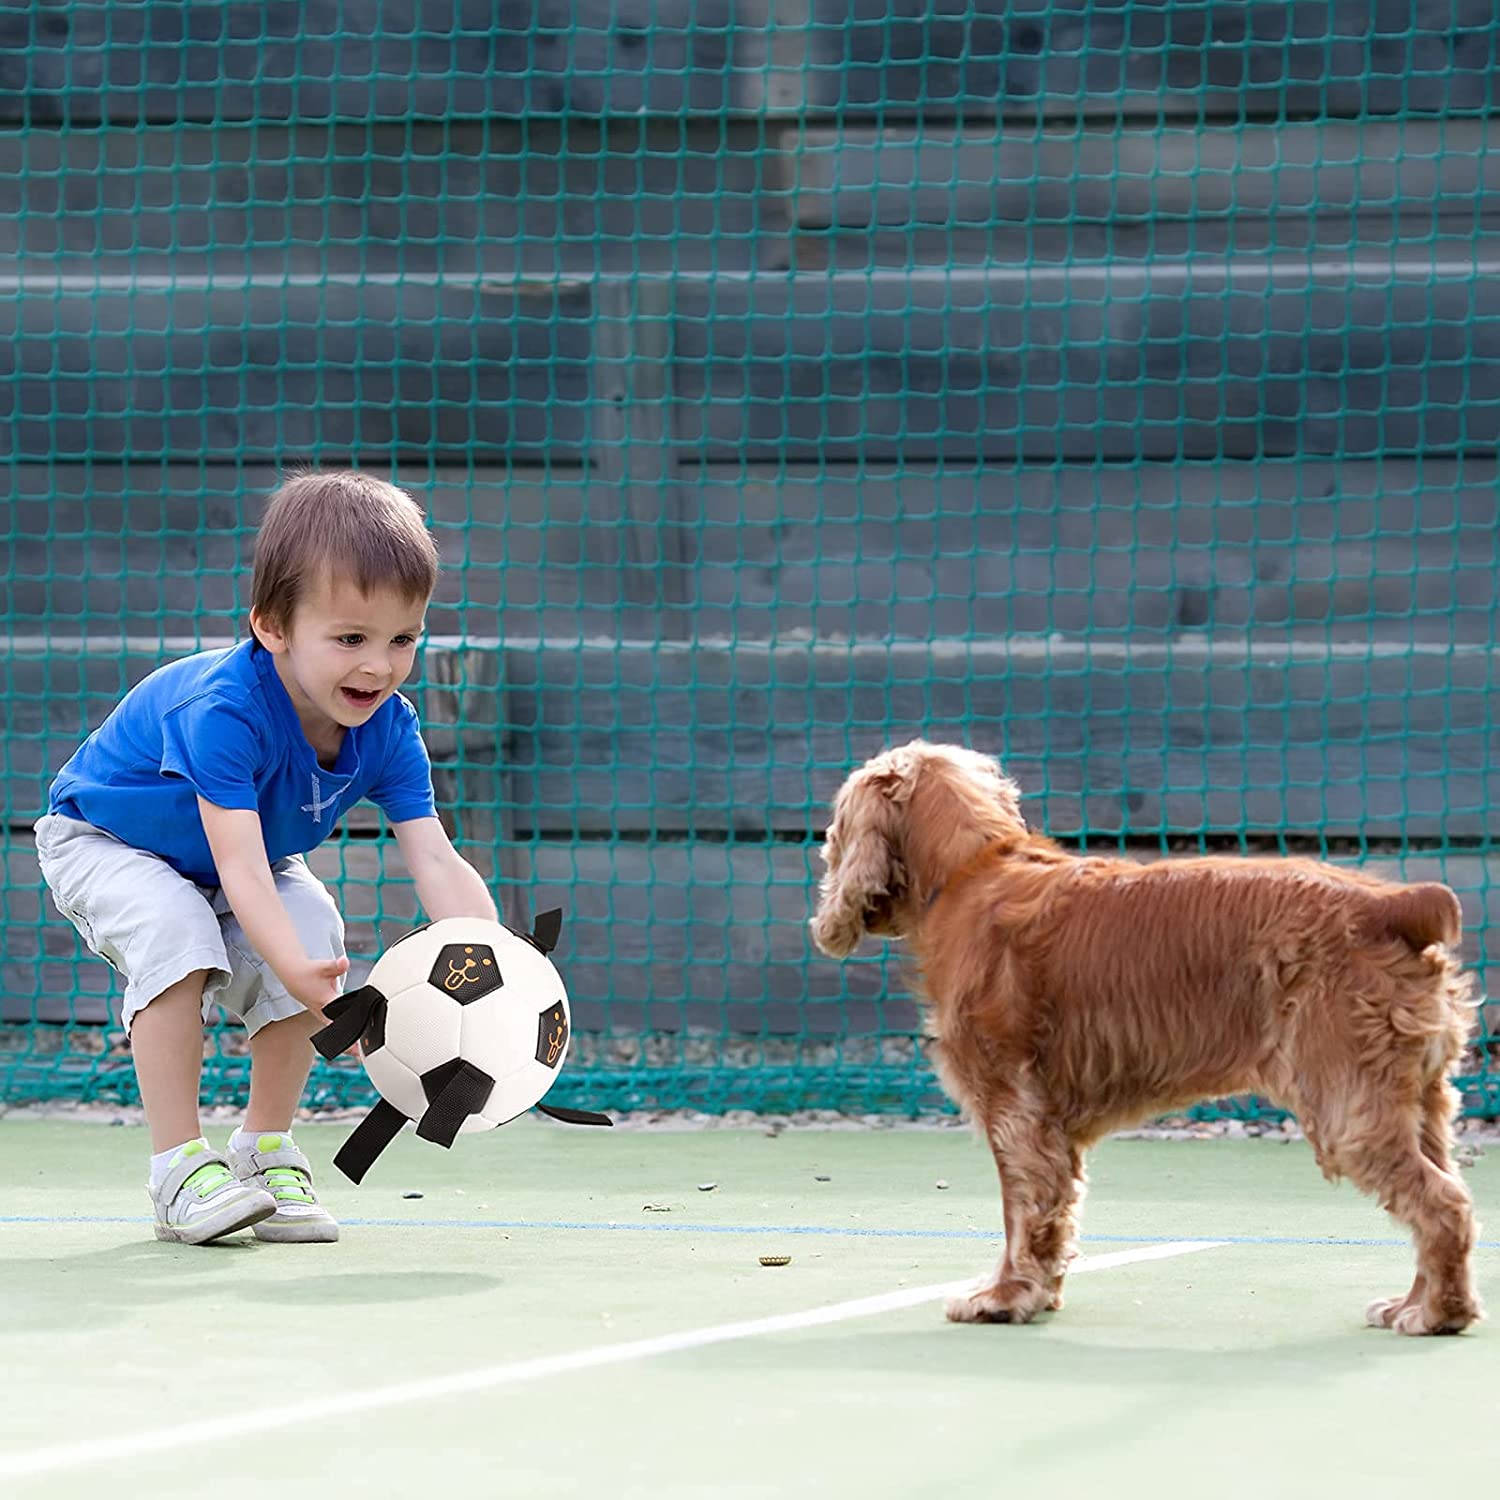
(340, 524)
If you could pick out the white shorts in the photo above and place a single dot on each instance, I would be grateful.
(156, 926)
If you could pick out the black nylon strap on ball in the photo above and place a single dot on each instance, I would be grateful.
(546, 930)
(348, 1015)
(371, 1136)
(575, 1116)
(464, 1094)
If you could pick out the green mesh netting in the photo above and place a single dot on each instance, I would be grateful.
(1112, 386)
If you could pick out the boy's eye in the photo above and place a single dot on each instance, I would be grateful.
(404, 640)
(351, 640)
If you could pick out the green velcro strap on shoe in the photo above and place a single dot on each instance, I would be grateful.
(187, 1166)
(289, 1185)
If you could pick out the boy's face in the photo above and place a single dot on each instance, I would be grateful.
(343, 653)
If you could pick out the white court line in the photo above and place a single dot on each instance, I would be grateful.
(168, 1440)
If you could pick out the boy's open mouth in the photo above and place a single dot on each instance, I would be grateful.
(360, 698)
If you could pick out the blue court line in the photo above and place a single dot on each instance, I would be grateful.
(826, 1230)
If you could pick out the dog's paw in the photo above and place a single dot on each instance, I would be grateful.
(1419, 1316)
(1452, 1316)
(1001, 1302)
(1381, 1313)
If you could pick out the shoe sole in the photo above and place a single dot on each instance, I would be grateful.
(316, 1232)
(242, 1216)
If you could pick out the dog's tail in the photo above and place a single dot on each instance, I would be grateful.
(1417, 914)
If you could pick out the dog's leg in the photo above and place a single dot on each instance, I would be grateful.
(1080, 1188)
(1437, 1205)
(1040, 1176)
(1401, 1157)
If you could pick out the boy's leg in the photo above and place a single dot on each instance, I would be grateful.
(166, 1045)
(262, 1152)
(159, 933)
(281, 1056)
(196, 1195)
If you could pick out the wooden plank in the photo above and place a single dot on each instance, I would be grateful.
(1390, 739)
(359, 60)
(1113, 738)
(364, 59)
(660, 942)
(47, 975)
(938, 175)
(56, 690)
(1062, 58)
(165, 549)
(276, 369)
(1160, 348)
(414, 198)
(1320, 549)
(680, 937)
(664, 938)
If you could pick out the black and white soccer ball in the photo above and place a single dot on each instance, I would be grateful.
(466, 992)
(462, 1025)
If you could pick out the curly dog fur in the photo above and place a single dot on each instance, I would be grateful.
(1069, 996)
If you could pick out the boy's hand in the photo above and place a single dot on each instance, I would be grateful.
(315, 981)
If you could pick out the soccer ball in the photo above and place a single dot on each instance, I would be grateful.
(465, 991)
(462, 1026)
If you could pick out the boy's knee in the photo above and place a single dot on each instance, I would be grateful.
(304, 1023)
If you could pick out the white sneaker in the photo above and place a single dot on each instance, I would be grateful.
(275, 1165)
(200, 1199)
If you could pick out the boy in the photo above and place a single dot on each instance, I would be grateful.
(174, 838)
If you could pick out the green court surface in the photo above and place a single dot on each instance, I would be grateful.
(530, 1327)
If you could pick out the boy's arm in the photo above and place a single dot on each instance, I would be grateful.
(239, 850)
(447, 884)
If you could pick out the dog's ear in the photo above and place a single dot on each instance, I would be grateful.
(864, 875)
(895, 774)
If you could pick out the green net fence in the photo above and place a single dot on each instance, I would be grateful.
(1109, 384)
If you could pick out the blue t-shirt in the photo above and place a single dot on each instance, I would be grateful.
(220, 725)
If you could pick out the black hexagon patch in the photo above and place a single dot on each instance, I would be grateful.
(551, 1035)
(466, 971)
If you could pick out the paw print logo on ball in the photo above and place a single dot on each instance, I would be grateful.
(466, 971)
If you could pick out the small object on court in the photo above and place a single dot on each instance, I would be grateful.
(411, 1195)
(776, 1260)
(942, 1182)
(707, 1187)
(656, 1208)
(822, 1179)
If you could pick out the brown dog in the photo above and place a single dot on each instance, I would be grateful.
(1071, 996)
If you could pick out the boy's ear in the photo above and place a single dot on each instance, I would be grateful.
(269, 634)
